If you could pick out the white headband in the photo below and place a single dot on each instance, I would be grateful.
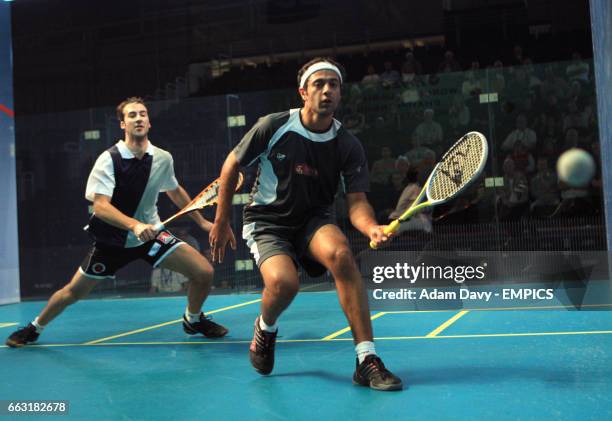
(321, 65)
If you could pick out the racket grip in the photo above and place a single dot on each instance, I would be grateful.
(158, 227)
(389, 229)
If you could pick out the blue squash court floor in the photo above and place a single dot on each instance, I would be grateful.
(128, 359)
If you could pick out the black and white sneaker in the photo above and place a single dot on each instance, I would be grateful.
(204, 326)
(372, 373)
(23, 336)
(261, 351)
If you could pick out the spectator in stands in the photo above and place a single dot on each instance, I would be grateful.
(589, 117)
(458, 116)
(518, 85)
(575, 201)
(429, 132)
(577, 70)
(390, 77)
(552, 107)
(371, 80)
(411, 84)
(497, 78)
(352, 96)
(527, 108)
(550, 149)
(433, 79)
(382, 193)
(574, 119)
(572, 139)
(472, 85)
(539, 124)
(472, 206)
(550, 133)
(418, 67)
(552, 128)
(521, 133)
(422, 220)
(514, 196)
(353, 120)
(383, 167)
(576, 95)
(402, 166)
(533, 80)
(544, 190)
(449, 64)
(522, 158)
(422, 159)
(390, 194)
(517, 56)
(553, 84)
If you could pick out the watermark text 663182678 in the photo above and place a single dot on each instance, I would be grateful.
(30, 407)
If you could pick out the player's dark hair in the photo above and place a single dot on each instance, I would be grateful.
(130, 100)
(317, 60)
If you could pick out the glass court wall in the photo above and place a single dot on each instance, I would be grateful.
(529, 113)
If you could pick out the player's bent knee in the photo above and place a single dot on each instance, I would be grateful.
(70, 296)
(203, 275)
(283, 287)
(342, 259)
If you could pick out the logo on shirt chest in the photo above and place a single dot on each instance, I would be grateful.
(280, 156)
(304, 169)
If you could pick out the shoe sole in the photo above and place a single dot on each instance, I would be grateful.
(387, 388)
(262, 372)
(191, 331)
(14, 344)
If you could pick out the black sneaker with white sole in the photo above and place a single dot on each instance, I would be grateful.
(23, 336)
(204, 326)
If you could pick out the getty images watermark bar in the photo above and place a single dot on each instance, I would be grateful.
(30, 407)
(412, 280)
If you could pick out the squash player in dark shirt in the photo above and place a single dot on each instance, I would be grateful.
(302, 156)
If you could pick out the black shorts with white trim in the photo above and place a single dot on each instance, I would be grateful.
(103, 261)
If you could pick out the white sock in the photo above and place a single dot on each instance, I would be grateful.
(38, 326)
(192, 317)
(266, 327)
(363, 349)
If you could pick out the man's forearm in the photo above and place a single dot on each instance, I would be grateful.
(361, 213)
(113, 216)
(362, 218)
(228, 181)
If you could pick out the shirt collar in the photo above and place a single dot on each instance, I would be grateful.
(317, 136)
(127, 154)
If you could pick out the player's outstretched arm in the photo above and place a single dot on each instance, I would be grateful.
(362, 217)
(221, 232)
